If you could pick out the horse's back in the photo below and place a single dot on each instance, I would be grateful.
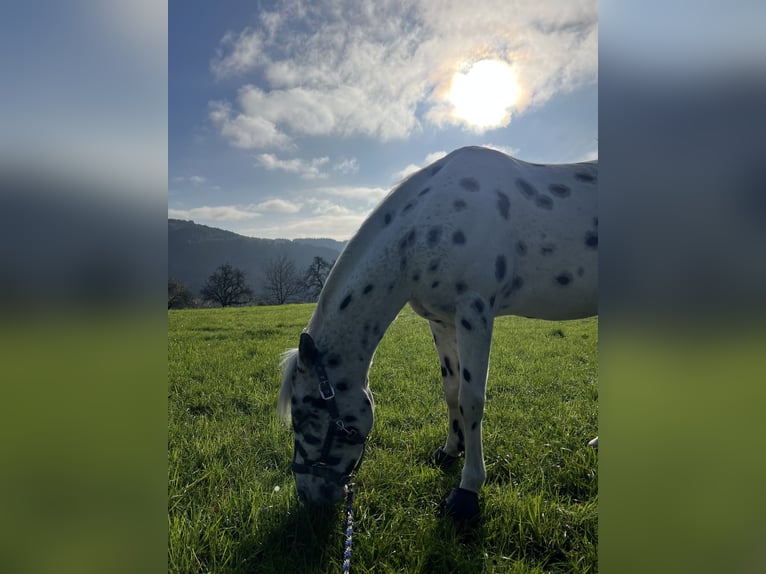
(523, 235)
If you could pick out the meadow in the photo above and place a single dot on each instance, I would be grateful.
(232, 505)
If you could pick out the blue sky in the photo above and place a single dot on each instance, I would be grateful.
(294, 118)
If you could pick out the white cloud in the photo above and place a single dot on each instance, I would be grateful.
(247, 131)
(340, 226)
(195, 180)
(511, 151)
(366, 195)
(278, 206)
(326, 207)
(342, 68)
(307, 169)
(588, 156)
(414, 168)
(347, 166)
(237, 53)
(214, 213)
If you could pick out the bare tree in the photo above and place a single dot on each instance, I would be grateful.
(227, 287)
(282, 281)
(316, 275)
(179, 295)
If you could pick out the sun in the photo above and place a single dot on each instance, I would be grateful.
(482, 96)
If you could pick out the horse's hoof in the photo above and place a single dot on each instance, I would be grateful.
(442, 459)
(594, 443)
(462, 506)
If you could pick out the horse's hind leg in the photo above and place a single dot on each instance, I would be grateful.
(474, 320)
(445, 339)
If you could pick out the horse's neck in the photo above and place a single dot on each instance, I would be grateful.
(361, 298)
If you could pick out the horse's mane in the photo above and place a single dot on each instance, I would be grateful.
(287, 364)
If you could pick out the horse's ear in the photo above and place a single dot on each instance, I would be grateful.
(307, 350)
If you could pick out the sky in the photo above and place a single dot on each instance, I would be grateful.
(294, 118)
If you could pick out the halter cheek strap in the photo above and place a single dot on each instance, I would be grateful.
(337, 428)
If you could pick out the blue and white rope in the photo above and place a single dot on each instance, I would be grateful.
(349, 529)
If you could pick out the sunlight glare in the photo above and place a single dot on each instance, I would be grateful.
(482, 96)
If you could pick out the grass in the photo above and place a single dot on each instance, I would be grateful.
(232, 505)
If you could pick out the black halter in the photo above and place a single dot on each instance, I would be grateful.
(337, 428)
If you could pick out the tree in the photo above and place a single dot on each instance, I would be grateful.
(179, 295)
(282, 281)
(316, 275)
(227, 287)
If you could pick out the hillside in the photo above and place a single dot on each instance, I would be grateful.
(195, 251)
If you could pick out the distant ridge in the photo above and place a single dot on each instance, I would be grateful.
(195, 251)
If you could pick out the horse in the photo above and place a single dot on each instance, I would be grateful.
(475, 235)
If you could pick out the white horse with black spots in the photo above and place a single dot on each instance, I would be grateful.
(475, 235)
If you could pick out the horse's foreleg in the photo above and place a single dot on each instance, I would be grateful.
(473, 322)
(445, 340)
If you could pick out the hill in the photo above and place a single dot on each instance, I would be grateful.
(195, 251)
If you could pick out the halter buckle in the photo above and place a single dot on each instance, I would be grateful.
(326, 390)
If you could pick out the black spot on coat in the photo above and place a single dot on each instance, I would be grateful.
(559, 190)
(466, 324)
(448, 364)
(458, 238)
(591, 239)
(500, 267)
(345, 302)
(564, 279)
(459, 205)
(503, 204)
(467, 375)
(368, 288)
(434, 235)
(585, 176)
(526, 188)
(547, 249)
(426, 190)
(469, 184)
(544, 202)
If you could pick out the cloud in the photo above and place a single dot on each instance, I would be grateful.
(588, 156)
(340, 226)
(361, 194)
(414, 168)
(247, 131)
(511, 151)
(193, 179)
(278, 206)
(307, 169)
(347, 166)
(237, 53)
(383, 70)
(214, 213)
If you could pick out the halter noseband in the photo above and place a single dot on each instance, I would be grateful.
(337, 428)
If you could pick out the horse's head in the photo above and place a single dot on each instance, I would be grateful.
(331, 417)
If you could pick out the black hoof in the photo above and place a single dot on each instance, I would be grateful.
(442, 459)
(462, 506)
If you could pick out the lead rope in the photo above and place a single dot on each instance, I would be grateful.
(349, 529)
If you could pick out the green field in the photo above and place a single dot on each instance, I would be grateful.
(232, 505)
